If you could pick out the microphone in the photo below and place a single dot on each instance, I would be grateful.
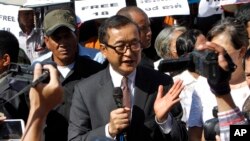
(118, 100)
(118, 97)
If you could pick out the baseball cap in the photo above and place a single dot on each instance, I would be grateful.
(58, 18)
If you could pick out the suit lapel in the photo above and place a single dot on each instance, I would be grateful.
(106, 92)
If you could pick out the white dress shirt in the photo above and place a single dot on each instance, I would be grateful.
(166, 126)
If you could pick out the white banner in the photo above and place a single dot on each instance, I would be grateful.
(95, 9)
(159, 8)
(211, 7)
(8, 18)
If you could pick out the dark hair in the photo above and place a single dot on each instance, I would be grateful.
(117, 22)
(247, 56)
(9, 45)
(233, 27)
(243, 13)
(186, 41)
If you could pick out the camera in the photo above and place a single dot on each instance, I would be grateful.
(22, 75)
(204, 63)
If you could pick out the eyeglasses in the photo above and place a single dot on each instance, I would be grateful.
(134, 46)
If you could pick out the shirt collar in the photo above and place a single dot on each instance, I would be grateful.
(116, 77)
(24, 34)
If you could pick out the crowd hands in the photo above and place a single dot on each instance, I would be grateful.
(43, 98)
(87, 119)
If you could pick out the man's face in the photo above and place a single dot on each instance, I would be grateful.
(26, 18)
(144, 24)
(124, 63)
(63, 44)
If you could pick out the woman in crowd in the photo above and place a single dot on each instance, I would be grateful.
(230, 34)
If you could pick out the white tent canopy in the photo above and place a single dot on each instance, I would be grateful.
(13, 2)
(34, 3)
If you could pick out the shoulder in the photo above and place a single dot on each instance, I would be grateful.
(93, 79)
(89, 63)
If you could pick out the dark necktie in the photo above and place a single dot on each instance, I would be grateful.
(126, 92)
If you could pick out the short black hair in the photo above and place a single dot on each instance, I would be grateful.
(9, 45)
(185, 43)
(116, 21)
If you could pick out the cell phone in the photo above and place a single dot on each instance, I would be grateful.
(11, 130)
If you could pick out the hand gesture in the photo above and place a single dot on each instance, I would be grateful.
(222, 61)
(226, 67)
(119, 120)
(46, 96)
(164, 103)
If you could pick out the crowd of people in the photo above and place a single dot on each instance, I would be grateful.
(112, 89)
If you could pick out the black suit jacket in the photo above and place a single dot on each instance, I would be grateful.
(93, 101)
(57, 120)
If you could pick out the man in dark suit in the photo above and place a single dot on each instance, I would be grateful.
(61, 39)
(146, 113)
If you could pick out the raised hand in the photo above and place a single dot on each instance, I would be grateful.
(164, 103)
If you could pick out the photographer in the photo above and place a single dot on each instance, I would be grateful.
(228, 112)
(16, 108)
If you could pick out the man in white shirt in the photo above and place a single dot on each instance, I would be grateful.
(29, 39)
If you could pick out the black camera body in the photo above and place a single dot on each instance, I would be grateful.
(204, 63)
(22, 73)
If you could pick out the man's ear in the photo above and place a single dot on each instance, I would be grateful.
(6, 60)
(103, 50)
(46, 40)
(243, 51)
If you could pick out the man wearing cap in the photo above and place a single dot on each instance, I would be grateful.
(61, 39)
(29, 38)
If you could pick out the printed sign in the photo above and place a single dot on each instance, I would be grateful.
(211, 7)
(8, 18)
(159, 8)
(95, 9)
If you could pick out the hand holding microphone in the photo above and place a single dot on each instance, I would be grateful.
(119, 118)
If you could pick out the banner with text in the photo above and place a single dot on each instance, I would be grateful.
(96, 9)
(8, 18)
(211, 7)
(159, 8)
